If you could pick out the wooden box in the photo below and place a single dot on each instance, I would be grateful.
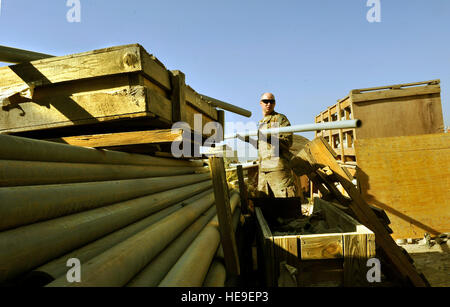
(331, 259)
(386, 111)
(113, 89)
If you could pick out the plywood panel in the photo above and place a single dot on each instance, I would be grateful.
(412, 115)
(408, 177)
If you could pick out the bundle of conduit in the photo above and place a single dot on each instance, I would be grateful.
(131, 220)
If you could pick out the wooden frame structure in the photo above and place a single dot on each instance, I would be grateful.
(386, 111)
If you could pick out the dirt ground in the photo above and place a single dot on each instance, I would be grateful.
(433, 262)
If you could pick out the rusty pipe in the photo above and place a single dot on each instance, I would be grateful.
(119, 264)
(25, 205)
(28, 247)
(24, 149)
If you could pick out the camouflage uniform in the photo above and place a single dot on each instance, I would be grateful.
(275, 176)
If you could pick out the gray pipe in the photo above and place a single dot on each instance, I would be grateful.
(343, 124)
(25, 205)
(14, 55)
(28, 247)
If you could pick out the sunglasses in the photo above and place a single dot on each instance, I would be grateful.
(266, 101)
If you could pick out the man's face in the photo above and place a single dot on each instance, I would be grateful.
(267, 104)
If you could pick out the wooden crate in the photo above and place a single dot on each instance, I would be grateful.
(409, 178)
(331, 259)
(386, 111)
(113, 89)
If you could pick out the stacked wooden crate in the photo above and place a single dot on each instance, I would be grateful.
(387, 111)
(118, 89)
(398, 154)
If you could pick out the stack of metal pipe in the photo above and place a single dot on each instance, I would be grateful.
(129, 220)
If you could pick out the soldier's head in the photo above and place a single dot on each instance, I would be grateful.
(267, 103)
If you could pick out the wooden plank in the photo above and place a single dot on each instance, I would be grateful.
(124, 138)
(408, 177)
(155, 70)
(222, 200)
(320, 273)
(323, 156)
(321, 246)
(413, 115)
(355, 259)
(243, 192)
(97, 63)
(266, 243)
(178, 96)
(159, 105)
(194, 99)
(65, 108)
(397, 86)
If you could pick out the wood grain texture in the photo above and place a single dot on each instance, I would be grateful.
(222, 200)
(124, 138)
(323, 156)
(321, 246)
(409, 178)
(355, 259)
(97, 63)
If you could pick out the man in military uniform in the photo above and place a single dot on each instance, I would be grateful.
(275, 177)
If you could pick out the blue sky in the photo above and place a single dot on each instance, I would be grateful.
(309, 53)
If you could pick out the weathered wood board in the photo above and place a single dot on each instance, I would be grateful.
(105, 85)
(408, 177)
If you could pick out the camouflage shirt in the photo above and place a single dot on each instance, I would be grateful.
(274, 155)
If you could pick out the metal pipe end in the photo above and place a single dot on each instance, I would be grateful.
(358, 123)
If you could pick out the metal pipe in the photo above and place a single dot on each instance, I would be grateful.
(216, 276)
(119, 264)
(24, 149)
(192, 267)
(155, 271)
(14, 55)
(57, 267)
(25, 205)
(27, 173)
(226, 106)
(28, 247)
(343, 124)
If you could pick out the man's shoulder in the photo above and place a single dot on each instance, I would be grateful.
(279, 117)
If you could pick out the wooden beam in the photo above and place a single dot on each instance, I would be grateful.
(178, 96)
(222, 200)
(123, 138)
(242, 189)
(323, 156)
